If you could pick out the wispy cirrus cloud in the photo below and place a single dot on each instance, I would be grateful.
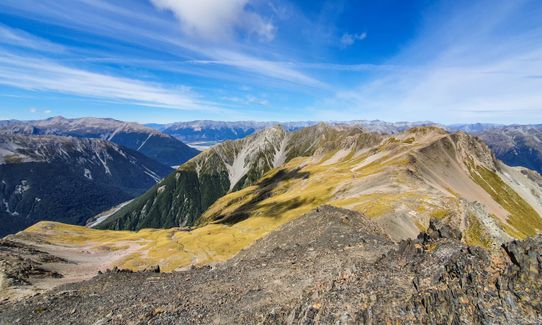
(41, 74)
(162, 36)
(469, 63)
(19, 38)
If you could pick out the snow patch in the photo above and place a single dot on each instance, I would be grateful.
(23, 187)
(144, 142)
(87, 174)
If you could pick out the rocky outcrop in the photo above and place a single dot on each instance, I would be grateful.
(20, 265)
(330, 266)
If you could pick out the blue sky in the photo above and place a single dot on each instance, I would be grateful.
(177, 60)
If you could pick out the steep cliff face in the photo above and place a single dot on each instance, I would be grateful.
(67, 179)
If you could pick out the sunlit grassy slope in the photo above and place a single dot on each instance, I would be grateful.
(375, 182)
(407, 179)
(170, 248)
(402, 183)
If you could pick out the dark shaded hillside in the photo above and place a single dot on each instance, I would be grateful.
(67, 179)
(516, 145)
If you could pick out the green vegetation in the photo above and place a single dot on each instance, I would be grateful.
(440, 214)
(13, 159)
(475, 234)
(409, 140)
(523, 218)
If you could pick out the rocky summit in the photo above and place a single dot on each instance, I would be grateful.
(330, 266)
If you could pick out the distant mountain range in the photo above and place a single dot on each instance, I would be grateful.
(184, 196)
(156, 145)
(205, 130)
(516, 145)
(67, 179)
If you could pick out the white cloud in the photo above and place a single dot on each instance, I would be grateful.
(248, 100)
(113, 21)
(216, 19)
(20, 38)
(461, 68)
(349, 39)
(46, 75)
(36, 110)
(258, 101)
(274, 69)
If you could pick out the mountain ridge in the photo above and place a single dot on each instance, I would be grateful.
(404, 179)
(150, 142)
(229, 166)
(516, 145)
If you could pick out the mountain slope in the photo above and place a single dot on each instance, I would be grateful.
(402, 182)
(516, 145)
(182, 197)
(330, 266)
(153, 144)
(67, 179)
